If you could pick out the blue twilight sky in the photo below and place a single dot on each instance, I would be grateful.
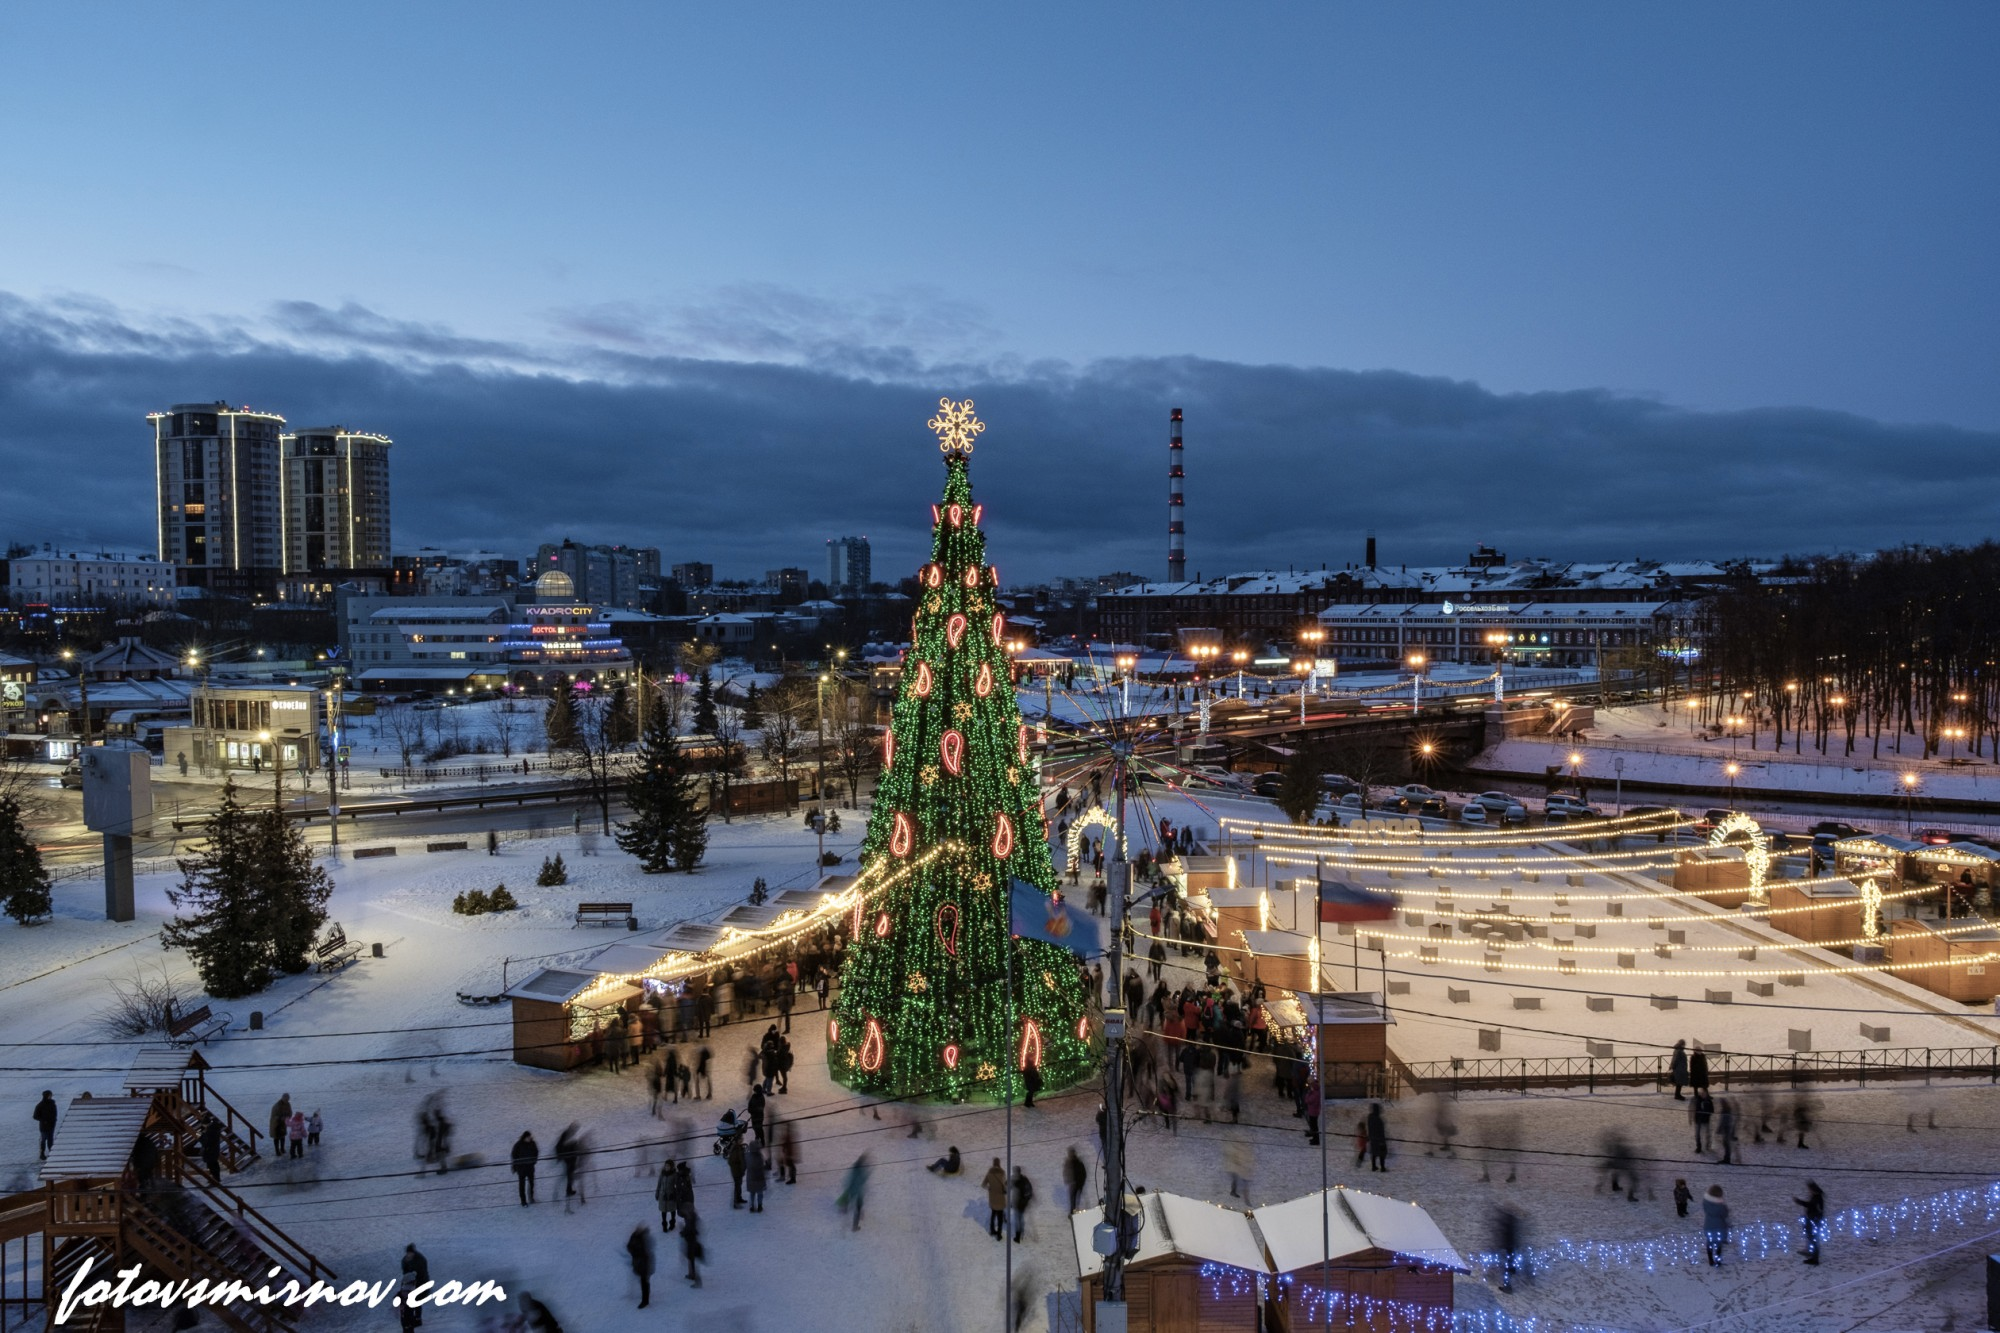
(1402, 264)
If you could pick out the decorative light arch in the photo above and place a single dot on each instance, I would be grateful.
(1095, 817)
(1757, 856)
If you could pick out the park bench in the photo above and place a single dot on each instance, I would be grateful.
(606, 914)
(197, 1026)
(334, 952)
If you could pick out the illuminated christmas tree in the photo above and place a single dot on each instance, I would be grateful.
(925, 1008)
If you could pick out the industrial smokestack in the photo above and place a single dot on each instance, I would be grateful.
(1176, 527)
(1371, 550)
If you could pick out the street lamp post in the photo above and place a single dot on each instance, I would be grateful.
(1416, 683)
(277, 770)
(1240, 657)
(1732, 768)
(1496, 640)
(1126, 663)
(1910, 781)
(1302, 667)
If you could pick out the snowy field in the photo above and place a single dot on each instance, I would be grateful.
(367, 1045)
(1654, 753)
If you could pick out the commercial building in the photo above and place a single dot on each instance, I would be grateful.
(250, 727)
(91, 578)
(334, 500)
(604, 575)
(1556, 634)
(849, 565)
(482, 641)
(216, 471)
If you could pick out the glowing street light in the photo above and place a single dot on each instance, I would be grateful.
(1732, 768)
(1126, 662)
(1303, 668)
(1241, 657)
(1416, 682)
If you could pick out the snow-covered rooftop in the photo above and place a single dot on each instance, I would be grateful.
(1355, 1222)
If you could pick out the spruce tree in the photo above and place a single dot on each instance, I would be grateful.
(225, 926)
(295, 890)
(622, 723)
(24, 884)
(669, 828)
(938, 998)
(704, 704)
(753, 709)
(560, 720)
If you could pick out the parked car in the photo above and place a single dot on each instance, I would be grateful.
(1433, 806)
(427, 706)
(1352, 801)
(1268, 784)
(1502, 807)
(1710, 820)
(72, 774)
(1833, 828)
(1339, 784)
(1221, 777)
(1568, 807)
(1936, 837)
(1473, 813)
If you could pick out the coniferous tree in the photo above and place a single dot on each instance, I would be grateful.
(622, 722)
(225, 926)
(704, 704)
(24, 884)
(560, 720)
(668, 829)
(753, 709)
(1299, 792)
(295, 890)
(938, 998)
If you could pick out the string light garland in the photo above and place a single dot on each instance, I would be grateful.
(957, 772)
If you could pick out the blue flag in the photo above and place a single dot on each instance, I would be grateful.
(1037, 916)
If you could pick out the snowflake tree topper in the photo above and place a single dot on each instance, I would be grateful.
(956, 427)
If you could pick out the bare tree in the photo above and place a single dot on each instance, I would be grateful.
(785, 706)
(594, 749)
(729, 760)
(505, 723)
(855, 742)
(404, 727)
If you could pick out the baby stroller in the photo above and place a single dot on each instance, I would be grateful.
(728, 1130)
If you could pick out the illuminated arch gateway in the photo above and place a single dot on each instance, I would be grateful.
(1095, 817)
(1757, 856)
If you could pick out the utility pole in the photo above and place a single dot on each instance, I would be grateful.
(1111, 1233)
(819, 782)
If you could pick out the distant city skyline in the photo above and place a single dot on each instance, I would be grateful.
(1580, 281)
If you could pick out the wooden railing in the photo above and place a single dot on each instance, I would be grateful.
(234, 1209)
(156, 1241)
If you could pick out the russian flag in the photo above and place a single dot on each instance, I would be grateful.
(1341, 901)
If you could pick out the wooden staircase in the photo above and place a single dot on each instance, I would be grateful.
(181, 1227)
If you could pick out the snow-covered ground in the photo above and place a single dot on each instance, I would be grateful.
(367, 1045)
(1657, 750)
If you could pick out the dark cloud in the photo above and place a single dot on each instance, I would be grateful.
(752, 463)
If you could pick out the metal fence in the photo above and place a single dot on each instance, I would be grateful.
(1725, 1069)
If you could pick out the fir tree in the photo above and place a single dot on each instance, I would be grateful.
(924, 1008)
(295, 890)
(622, 725)
(704, 704)
(225, 926)
(24, 884)
(560, 721)
(753, 709)
(1299, 792)
(669, 828)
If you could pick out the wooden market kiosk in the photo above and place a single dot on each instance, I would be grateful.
(560, 1016)
(1381, 1257)
(1350, 1029)
(1816, 912)
(1166, 1287)
(1962, 965)
(1720, 875)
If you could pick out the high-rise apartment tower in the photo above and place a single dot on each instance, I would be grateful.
(334, 498)
(215, 470)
